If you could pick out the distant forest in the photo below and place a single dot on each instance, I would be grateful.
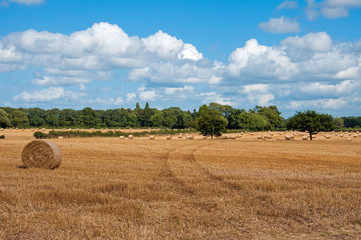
(256, 119)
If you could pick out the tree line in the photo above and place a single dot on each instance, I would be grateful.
(257, 119)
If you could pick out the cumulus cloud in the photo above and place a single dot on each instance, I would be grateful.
(101, 48)
(324, 89)
(131, 97)
(110, 101)
(330, 8)
(260, 61)
(180, 91)
(179, 70)
(329, 103)
(280, 25)
(6, 3)
(288, 5)
(48, 94)
(258, 94)
(316, 42)
(215, 97)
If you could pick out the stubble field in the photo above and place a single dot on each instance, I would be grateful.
(107, 188)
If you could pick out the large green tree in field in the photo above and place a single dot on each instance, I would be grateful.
(210, 122)
(311, 121)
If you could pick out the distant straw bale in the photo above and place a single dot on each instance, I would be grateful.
(259, 137)
(287, 137)
(41, 154)
(348, 139)
(169, 137)
(151, 137)
(191, 137)
(180, 135)
(130, 137)
(121, 137)
(304, 138)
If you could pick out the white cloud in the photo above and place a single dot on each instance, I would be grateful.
(258, 94)
(330, 8)
(103, 48)
(280, 25)
(131, 97)
(147, 95)
(48, 94)
(323, 89)
(184, 72)
(208, 97)
(316, 42)
(28, 2)
(110, 101)
(318, 104)
(288, 5)
(190, 52)
(163, 45)
(58, 80)
(179, 91)
(260, 61)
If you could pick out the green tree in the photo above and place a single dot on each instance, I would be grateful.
(19, 119)
(311, 121)
(338, 122)
(88, 117)
(210, 122)
(272, 114)
(4, 119)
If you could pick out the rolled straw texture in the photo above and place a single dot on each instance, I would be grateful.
(41, 154)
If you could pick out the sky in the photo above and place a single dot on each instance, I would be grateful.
(297, 55)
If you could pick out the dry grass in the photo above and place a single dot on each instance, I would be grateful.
(201, 189)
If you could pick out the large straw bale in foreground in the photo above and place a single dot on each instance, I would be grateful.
(41, 154)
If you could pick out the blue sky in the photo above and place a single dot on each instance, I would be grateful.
(297, 55)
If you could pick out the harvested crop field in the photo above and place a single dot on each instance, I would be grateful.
(243, 188)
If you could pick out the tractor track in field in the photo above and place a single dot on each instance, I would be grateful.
(190, 159)
(180, 185)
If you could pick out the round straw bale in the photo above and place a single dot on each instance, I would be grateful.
(121, 137)
(304, 138)
(180, 135)
(41, 154)
(341, 135)
(169, 137)
(191, 137)
(287, 137)
(348, 139)
(151, 137)
(259, 137)
(328, 136)
(355, 136)
(205, 137)
(233, 137)
(1, 129)
(130, 137)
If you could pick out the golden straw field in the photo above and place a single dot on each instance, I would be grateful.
(243, 188)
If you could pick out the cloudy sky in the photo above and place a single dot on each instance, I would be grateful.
(298, 55)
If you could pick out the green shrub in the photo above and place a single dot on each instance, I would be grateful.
(2, 136)
(39, 135)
